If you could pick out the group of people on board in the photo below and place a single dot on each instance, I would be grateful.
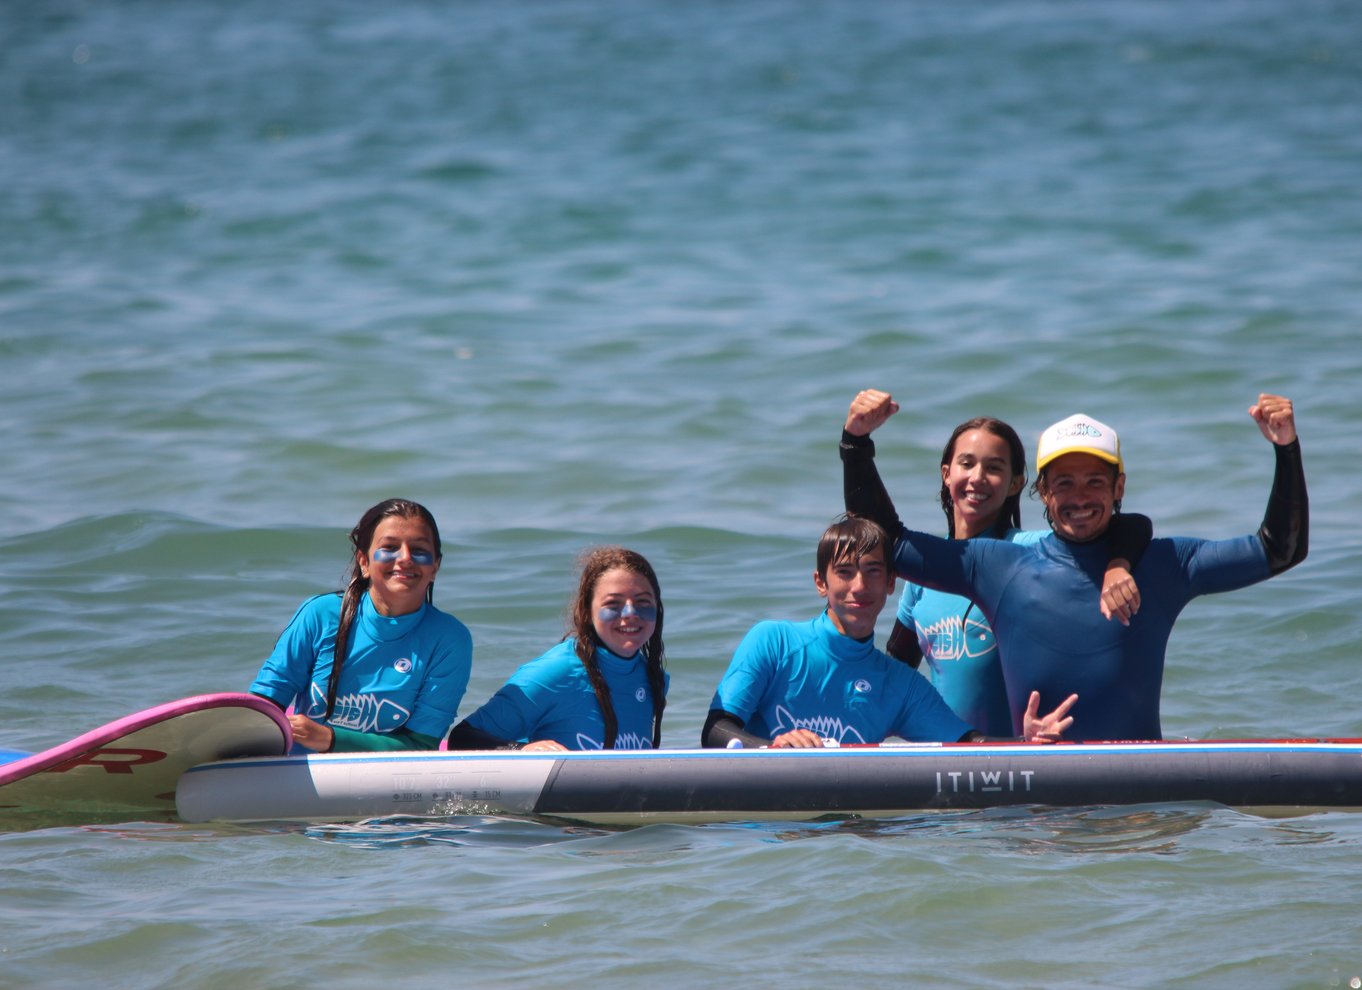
(1072, 622)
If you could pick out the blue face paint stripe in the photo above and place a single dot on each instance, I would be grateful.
(382, 555)
(646, 613)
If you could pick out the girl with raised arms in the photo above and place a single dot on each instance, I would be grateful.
(603, 686)
(377, 667)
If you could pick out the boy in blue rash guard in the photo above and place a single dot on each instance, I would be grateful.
(604, 687)
(403, 664)
(983, 472)
(809, 684)
(1034, 596)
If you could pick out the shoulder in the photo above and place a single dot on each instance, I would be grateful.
(319, 608)
(447, 625)
(926, 605)
(1016, 545)
(769, 641)
(1189, 551)
(1026, 537)
(557, 664)
(897, 676)
(328, 601)
(779, 632)
(912, 594)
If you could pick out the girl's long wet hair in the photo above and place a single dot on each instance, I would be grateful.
(361, 537)
(1010, 515)
(594, 563)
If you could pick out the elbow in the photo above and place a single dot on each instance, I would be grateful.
(1285, 550)
(708, 736)
(720, 728)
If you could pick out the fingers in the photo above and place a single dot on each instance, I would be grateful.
(1052, 727)
(544, 746)
(797, 739)
(1063, 708)
(868, 410)
(1120, 598)
(1116, 607)
(1055, 732)
(310, 734)
(1275, 417)
(1119, 606)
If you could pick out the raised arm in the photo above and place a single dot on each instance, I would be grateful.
(1285, 532)
(862, 490)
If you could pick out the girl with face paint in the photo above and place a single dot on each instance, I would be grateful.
(377, 667)
(603, 686)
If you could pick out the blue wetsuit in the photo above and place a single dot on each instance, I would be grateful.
(551, 697)
(405, 672)
(961, 653)
(808, 675)
(1038, 598)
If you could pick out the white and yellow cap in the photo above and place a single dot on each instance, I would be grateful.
(1079, 434)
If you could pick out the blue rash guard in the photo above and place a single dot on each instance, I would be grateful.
(400, 672)
(551, 697)
(808, 675)
(961, 653)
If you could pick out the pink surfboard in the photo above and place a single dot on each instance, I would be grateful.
(127, 770)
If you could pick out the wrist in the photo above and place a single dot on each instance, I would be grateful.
(857, 443)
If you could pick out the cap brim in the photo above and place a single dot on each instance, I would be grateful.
(1104, 455)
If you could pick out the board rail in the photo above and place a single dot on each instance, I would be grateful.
(641, 786)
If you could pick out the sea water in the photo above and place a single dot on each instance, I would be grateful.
(591, 270)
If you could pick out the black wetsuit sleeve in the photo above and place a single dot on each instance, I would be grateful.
(903, 645)
(465, 736)
(862, 490)
(1285, 531)
(723, 727)
(1128, 537)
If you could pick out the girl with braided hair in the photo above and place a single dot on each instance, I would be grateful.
(603, 686)
(378, 666)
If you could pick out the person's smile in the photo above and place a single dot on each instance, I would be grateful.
(400, 565)
(625, 611)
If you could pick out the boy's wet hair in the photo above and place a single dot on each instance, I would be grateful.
(849, 538)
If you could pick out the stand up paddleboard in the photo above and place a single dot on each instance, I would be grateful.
(127, 770)
(633, 787)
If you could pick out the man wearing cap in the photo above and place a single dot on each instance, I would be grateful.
(1038, 597)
